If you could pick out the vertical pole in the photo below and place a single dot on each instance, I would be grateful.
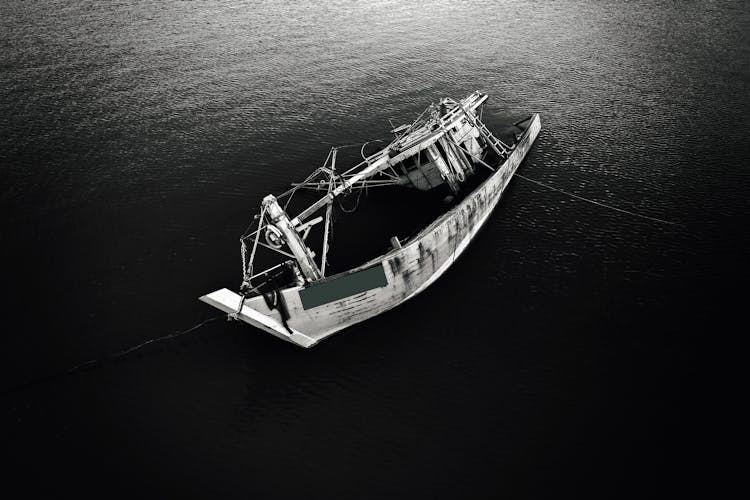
(249, 269)
(324, 257)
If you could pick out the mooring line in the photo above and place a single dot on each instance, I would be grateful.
(597, 202)
(109, 357)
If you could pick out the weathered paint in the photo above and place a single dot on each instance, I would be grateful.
(408, 270)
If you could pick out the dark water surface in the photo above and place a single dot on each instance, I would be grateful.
(562, 354)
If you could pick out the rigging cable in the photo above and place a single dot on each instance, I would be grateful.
(315, 172)
(358, 144)
(596, 202)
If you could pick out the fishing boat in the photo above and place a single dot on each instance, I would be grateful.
(447, 149)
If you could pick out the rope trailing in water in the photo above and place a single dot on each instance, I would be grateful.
(596, 202)
(109, 357)
(127, 351)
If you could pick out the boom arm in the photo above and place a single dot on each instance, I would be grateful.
(407, 146)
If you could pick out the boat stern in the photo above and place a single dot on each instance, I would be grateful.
(229, 301)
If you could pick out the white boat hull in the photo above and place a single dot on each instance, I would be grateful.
(337, 302)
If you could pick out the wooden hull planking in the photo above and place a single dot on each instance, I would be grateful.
(319, 310)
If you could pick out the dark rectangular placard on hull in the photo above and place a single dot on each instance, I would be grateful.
(342, 287)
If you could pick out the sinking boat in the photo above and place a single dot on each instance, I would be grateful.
(447, 149)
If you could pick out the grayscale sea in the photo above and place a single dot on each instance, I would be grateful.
(563, 355)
